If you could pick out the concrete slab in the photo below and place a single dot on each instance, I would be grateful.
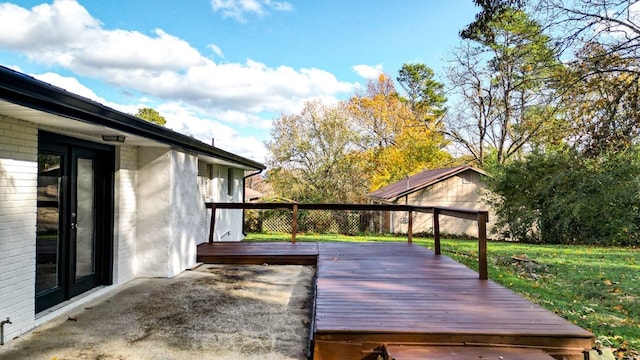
(215, 311)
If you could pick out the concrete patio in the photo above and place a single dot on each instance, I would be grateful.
(214, 311)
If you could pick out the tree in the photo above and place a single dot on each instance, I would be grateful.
(613, 25)
(601, 41)
(602, 108)
(151, 115)
(311, 156)
(504, 81)
(560, 196)
(424, 95)
(490, 10)
(396, 141)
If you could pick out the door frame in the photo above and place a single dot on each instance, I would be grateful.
(104, 218)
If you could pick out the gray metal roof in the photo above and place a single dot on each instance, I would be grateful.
(419, 181)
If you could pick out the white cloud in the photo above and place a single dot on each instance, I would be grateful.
(197, 95)
(70, 84)
(367, 71)
(238, 9)
(216, 50)
(182, 119)
(160, 65)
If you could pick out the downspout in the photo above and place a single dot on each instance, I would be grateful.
(2, 324)
(244, 180)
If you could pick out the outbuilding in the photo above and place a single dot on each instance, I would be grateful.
(459, 187)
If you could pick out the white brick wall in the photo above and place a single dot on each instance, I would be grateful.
(126, 208)
(18, 180)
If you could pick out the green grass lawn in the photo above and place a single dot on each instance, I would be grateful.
(596, 288)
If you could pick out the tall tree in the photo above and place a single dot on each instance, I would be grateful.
(503, 78)
(396, 143)
(613, 25)
(311, 156)
(490, 10)
(601, 40)
(424, 94)
(151, 115)
(602, 108)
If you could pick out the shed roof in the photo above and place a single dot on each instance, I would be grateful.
(418, 182)
(32, 99)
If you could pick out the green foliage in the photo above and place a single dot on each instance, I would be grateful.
(562, 197)
(151, 115)
(311, 156)
(506, 94)
(424, 94)
(602, 108)
(490, 10)
(400, 137)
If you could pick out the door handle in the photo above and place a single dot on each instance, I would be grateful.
(74, 225)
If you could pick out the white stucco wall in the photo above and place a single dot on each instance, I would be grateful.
(18, 180)
(159, 217)
(214, 188)
(186, 209)
(125, 217)
(169, 210)
(152, 230)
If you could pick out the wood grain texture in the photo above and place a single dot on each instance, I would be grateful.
(399, 293)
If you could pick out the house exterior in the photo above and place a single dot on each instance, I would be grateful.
(91, 198)
(459, 187)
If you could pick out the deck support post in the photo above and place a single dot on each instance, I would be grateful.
(410, 228)
(482, 245)
(212, 225)
(436, 231)
(294, 223)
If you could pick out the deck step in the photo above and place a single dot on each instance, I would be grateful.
(415, 352)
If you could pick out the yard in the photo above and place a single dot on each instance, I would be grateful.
(596, 288)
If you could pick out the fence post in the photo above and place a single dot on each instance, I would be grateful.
(410, 228)
(294, 223)
(436, 231)
(482, 245)
(212, 224)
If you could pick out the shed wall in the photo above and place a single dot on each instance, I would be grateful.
(463, 190)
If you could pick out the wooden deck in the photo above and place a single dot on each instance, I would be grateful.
(376, 296)
(273, 253)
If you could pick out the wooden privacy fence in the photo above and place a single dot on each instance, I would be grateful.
(480, 216)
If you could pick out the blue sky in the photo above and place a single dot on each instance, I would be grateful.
(224, 68)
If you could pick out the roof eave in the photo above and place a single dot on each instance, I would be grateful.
(29, 92)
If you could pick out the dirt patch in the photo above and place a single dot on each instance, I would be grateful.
(216, 311)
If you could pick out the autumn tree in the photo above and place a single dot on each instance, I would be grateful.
(151, 115)
(311, 156)
(397, 139)
(503, 80)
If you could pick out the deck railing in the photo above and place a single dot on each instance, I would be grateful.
(480, 216)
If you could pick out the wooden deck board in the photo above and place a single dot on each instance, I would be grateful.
(274, 253)
(463, 353)
(398, 293)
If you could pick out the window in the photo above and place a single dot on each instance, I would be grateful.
(230, 181)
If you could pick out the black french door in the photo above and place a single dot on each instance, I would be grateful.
(74, 218)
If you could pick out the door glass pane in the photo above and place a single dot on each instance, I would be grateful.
(84, 217)
(48, 215)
